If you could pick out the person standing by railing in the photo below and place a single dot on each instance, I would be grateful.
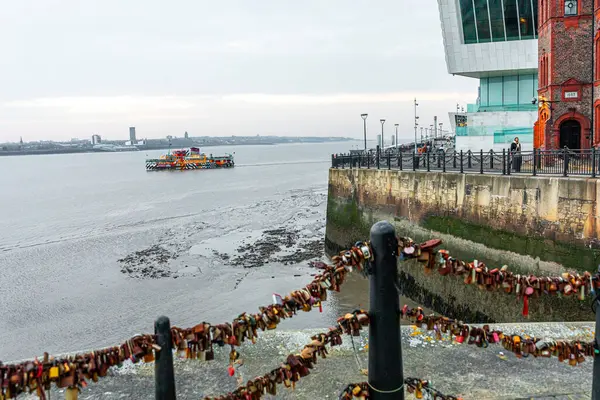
(515, 150)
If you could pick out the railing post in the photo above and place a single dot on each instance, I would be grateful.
(444, 163)
(439, 160)
(534, 163)
(400, 160)
(596, 368)
(164, 376)
(368, 160)
(503, 161)
(566, 162)
(377, 155)
(454, 160)
(332, 161)
(461, 162)
(508, 163)
(386, 374)
(469, 165)
(415, 161)
(491, 159)
(593, 162)
(481, 161)
(428, 169)
(389, 160)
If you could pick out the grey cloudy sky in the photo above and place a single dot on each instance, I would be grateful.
(70, 68)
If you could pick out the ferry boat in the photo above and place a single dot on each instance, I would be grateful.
(190, 158)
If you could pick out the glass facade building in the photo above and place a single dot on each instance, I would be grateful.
(508, 93)
(485, 21)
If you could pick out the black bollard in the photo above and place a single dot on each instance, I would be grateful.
(386, 376)
(164, 377)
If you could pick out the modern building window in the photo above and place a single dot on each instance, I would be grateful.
(511, 19)
(570, 7)
(467, 15)
(495, 91)
(511, 90)
(483, 92)
(497, 20)
(483, 22)
(527, 90)
(526, 19)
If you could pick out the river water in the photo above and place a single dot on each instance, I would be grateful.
(67, 220)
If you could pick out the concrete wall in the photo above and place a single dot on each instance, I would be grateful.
(549, 219)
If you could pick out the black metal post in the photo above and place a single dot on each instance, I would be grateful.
(503, 161)
(377, 155)
(596, 368)
(415, 162)
(508, 163)
(454, 160)
(566, 162)
(481, 161)
(491, 159)
(428, 169)
(386, 374)
(332, 161)
(368, 160)
(400, 160)
(461, 162)
(534, 163)
(164, 376)
(389, 160)
(593, 162)
(469, 165)
(444, 163)
(439, 160)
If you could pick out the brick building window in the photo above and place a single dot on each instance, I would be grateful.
(596, 123)
(597, 59)
(570, 7)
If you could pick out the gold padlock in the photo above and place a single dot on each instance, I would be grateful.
(71, 393)
(53, 374)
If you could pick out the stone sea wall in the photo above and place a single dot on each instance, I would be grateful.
(536, 225)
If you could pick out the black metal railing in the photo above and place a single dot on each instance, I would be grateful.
(564, 162)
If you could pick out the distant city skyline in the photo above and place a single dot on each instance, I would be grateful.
(277, 68)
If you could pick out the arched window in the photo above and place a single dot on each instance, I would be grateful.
(570, 8)
(597, 59)
(596, 123)
(547, 62)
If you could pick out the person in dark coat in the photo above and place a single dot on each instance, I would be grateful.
(515, 150)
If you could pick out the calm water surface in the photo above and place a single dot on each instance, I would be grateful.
(65, 220)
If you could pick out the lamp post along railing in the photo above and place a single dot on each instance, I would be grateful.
(364, 117)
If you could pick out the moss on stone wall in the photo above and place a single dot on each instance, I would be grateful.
(569, 255)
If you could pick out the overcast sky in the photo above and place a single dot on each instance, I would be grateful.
(71, 68)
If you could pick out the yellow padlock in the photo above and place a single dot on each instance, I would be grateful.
(356, 391)
(53, 374)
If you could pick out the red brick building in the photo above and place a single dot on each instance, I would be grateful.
(569, 74)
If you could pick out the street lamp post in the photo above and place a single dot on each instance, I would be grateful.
(396, 125)
(422, 135)
(416, 124)
(364, 117)
(382, 122)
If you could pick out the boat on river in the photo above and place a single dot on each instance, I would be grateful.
(190, 158)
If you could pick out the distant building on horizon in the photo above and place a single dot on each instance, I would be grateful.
(132, 138)
(96, 139)
(186, 135)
